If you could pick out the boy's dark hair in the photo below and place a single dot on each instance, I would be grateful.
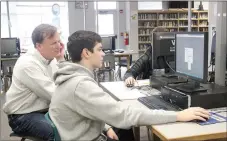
(43, 31)
(79, 40)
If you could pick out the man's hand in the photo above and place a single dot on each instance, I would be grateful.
(195, 113)
(130, 81)
(111, 134)
(60, 57)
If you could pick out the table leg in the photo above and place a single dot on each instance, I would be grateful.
(128, 62)
(119, 59)
(136, 131)
(6, 83)
(155, 135)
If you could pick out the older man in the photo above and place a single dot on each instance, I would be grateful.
(29, 95)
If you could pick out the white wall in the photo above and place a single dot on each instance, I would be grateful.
(90, 17)
(80, 19)
(121, 24)
(212, 18)
(74, 16)
(77, 21)
(132, 27)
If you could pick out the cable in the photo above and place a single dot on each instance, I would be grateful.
(168, 64)
(209, 66)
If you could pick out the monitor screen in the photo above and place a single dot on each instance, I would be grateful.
(9, 46)
(107, 43)
(191, 52)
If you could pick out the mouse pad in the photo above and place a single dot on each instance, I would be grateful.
(214, 118)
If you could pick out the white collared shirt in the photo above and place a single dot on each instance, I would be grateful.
(32, 84)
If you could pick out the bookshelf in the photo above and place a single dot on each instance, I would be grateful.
(174, 20)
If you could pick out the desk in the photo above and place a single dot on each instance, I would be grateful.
(179, 131)
(185, 130)
(120, 92)
(126, 54)
(7, 59)
(189, 131)
(7, 65)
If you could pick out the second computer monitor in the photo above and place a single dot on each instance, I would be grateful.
(192, 55)
(163, 49)
(108, 42)
(9, 46)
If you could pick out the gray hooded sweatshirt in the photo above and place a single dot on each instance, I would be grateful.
(80, 108)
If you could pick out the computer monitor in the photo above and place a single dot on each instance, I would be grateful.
(163, 50)
(10, 46)
(107, 43)
(191, 59)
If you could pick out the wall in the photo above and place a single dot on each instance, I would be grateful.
(132, 27)
(90, 17)
(74, 16)
(80, 19)
(212, 18)
(121, 24)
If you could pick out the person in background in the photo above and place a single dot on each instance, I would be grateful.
(80, 109)
(143, 66)
(29, 95)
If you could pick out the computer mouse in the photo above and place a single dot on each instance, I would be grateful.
(200, 121)
(129, 85)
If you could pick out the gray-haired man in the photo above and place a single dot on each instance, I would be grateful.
(29, 95)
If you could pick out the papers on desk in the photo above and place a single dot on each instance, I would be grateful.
(214, 118)
(142, 82)
(122, 92)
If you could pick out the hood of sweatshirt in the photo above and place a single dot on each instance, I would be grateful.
(68, 70)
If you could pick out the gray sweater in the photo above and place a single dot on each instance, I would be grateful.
(80, 108)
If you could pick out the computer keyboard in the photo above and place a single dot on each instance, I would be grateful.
(156, 102)
(10, 56)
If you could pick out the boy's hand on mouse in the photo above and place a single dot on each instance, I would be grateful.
(195, 113)
(130, 81)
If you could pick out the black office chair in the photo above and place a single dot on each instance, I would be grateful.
(123, 63)
(108, 66)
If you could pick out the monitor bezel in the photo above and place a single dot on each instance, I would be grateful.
(205, 59)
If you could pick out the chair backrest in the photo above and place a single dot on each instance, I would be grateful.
(109, 61)
(56, 134)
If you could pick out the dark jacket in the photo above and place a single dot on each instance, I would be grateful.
(142, 67)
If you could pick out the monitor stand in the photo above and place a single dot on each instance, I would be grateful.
(190, 87)
(169, 75)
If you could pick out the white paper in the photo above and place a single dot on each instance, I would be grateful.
(134, 15)
(122, 92)
(188, 55)
(142, 82)
(218, 118)
(224, 114)
(189, 66)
